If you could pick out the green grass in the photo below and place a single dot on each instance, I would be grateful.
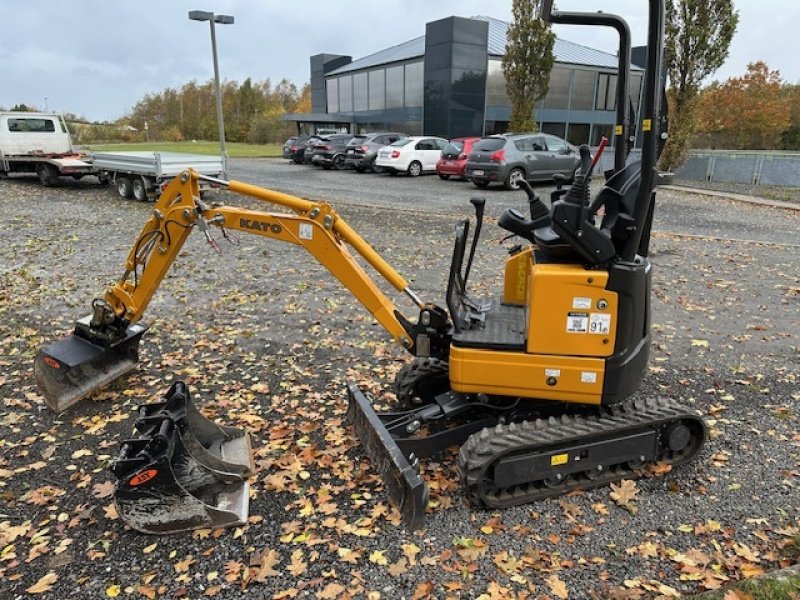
(763, 588)
(235, 149)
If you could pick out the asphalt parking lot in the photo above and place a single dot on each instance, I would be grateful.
(268, 339)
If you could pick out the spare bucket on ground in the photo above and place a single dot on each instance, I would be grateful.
(183, 471)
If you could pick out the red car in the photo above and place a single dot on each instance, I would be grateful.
(454, 158)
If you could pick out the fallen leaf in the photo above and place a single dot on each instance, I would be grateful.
(44, 584)
(558, 587)
(332, 591)
(398, 568)
(624, 494)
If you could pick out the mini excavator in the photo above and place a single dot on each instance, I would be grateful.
(536, 387)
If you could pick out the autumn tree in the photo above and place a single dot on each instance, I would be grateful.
(791, 137)
(527, 62)
(745, 113)
(698, 37)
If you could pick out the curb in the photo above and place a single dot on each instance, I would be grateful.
(779, 576)
(733, 196)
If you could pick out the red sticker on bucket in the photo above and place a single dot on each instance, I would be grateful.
(143, 477)
(52, 362)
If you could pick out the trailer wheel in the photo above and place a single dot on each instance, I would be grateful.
(124, 187)
(47, 174)
(139, 189)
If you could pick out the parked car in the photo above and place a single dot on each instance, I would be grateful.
(308, 150)
(297, 150)
(414, 155)
(287, 146)
(453, 162)
(510, 157)
(363, 148)
(331, 152)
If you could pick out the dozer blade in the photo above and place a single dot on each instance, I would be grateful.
(74, 367)
(170, 479)
(406, 488)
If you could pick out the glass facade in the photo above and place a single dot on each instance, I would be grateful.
(332, 89)
(360, 92)
(394, 87)
(415, 76)
(579, 106)
(377, 89)
(346, 93)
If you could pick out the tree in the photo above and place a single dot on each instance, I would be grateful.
(791, 137)
(698, 37)
(527, 62)
(745, 113)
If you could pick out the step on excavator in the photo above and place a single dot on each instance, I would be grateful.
(537, 387)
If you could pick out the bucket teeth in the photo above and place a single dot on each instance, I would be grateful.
(74, 367)
(183, 471)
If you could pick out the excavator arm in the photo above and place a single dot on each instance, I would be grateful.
(104, 344)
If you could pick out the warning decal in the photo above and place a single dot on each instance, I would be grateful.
(577, 322)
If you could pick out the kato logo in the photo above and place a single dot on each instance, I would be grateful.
(142, 477)
(259, 225)
(52, 362)
(559, 459)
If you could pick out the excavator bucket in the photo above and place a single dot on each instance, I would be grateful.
(406, 488)
(182, 471)
(74, 367)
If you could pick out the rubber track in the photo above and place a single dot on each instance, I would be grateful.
(484, 448)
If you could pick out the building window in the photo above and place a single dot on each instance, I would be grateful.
(415, 75)
(582, 91)
(394, 87)
(578, 133)
(598, 131)
(332, 87)
(636, 90)
(496, 85)
(377, 89)
(606, 92)
(360, 94)
(558, 94)
(559, 129)
(346, 93)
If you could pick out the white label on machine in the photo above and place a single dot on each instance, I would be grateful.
(552, 372)
(306, 231)
(588, 377)
(582, 303)
(577, 323)
(599, 323)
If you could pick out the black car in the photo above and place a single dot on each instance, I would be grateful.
(363, 149)
(287, 146)
(330, 152)
(297, 149)
(290, 145)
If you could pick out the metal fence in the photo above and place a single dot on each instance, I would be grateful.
(730, 166)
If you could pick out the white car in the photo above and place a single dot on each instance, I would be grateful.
(413, 155)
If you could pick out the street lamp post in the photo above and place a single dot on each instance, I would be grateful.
(202, 15)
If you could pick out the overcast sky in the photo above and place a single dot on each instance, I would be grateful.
(97, 58)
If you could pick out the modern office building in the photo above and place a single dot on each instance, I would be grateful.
(450, 82)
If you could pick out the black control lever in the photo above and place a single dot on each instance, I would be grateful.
(480, 205)
(537, 208)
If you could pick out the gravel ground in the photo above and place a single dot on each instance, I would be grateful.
(773, 192)
(268, 339)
